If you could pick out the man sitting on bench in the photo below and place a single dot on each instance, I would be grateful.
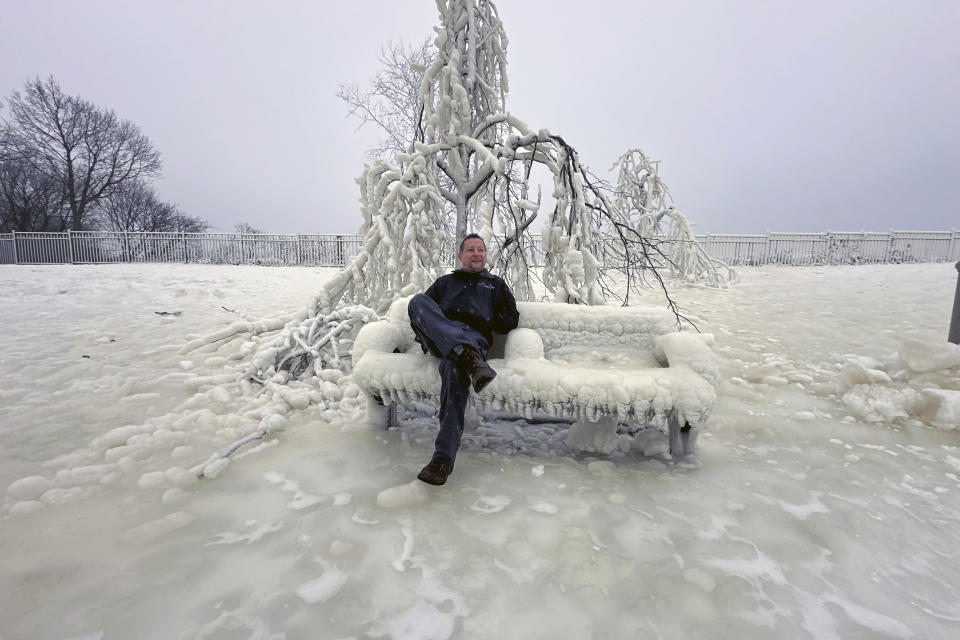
(454, 321)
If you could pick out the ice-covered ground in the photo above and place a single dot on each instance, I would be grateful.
(824, 504)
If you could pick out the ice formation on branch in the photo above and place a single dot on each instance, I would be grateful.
(644, 197)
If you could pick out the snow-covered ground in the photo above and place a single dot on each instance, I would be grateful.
(825, 503)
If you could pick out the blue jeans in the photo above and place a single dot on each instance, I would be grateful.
(439, 335)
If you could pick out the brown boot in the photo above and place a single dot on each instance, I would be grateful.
(481, 374)
(436, 472)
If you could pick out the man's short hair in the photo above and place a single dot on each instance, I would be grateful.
(467, 237)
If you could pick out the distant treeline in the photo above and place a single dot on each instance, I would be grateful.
(68, 164)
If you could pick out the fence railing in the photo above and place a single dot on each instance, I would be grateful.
(863, 247)
(97, 247)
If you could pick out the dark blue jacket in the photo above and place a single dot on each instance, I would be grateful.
(481, 300)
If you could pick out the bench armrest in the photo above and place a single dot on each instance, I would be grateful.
(523, 343)
(677, 348)
(383, 336)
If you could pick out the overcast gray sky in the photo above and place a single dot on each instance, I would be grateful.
(766, 115)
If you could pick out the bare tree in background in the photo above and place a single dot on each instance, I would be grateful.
(86, 150)
(126, 208)
(134, 206)
(392, 102)
(246, 227)
(182, 222)
(29, 200)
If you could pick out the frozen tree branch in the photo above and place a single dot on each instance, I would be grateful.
(643, 195)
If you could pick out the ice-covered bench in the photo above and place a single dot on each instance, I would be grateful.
(611, 371)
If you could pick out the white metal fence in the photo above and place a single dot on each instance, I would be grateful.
(864, 247)
(95, 247)
(98, 247)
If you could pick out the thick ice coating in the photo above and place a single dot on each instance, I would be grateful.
(571, 361)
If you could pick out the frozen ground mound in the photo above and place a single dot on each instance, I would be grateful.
(920, 383)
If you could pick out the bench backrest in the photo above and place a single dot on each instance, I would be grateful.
(562, 325)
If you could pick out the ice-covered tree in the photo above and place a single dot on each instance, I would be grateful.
(468, 167)
(472, 157)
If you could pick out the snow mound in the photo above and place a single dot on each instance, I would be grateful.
(881, 403)
(922, 382)
(942, 408)
(29, 488)
(404, 495)
(924, 357)
(858, 374)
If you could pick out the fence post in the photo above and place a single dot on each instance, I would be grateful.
(70, 246)
(16, 254)
(954, 335)
(126, 246)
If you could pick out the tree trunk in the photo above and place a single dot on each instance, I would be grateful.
(461, 224)
(76, 217)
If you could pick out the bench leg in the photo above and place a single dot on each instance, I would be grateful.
(380, 415)
(681, 437)
(392, 420)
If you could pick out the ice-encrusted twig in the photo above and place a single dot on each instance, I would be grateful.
(645, 199)
(316, 341)
(242, 328)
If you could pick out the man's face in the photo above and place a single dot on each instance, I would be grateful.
(473, 258)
